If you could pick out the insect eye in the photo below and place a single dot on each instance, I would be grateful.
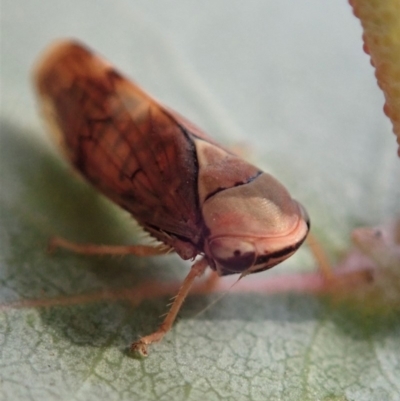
(232, 255)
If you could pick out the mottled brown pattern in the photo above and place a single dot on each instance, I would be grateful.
(122, 141)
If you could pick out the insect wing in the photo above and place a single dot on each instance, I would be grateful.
(121, 140)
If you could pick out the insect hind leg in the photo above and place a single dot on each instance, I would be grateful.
(97, 249)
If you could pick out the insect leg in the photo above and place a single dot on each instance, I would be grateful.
(334, 281)
(320, 257)
(96, 249)
(196, 270)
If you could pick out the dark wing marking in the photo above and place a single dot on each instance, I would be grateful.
(236, 184)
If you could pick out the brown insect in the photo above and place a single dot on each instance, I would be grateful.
(183, 188)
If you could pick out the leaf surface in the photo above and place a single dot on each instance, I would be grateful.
(288, 82)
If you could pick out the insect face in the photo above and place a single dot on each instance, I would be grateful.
(272, 227)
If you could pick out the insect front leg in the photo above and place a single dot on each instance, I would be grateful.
(196, 270)
(96, 249)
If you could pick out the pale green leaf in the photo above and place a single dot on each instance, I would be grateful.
(288, 81)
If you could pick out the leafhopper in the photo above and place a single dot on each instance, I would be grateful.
(197, 198)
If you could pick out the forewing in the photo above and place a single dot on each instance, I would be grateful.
(121, 140)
